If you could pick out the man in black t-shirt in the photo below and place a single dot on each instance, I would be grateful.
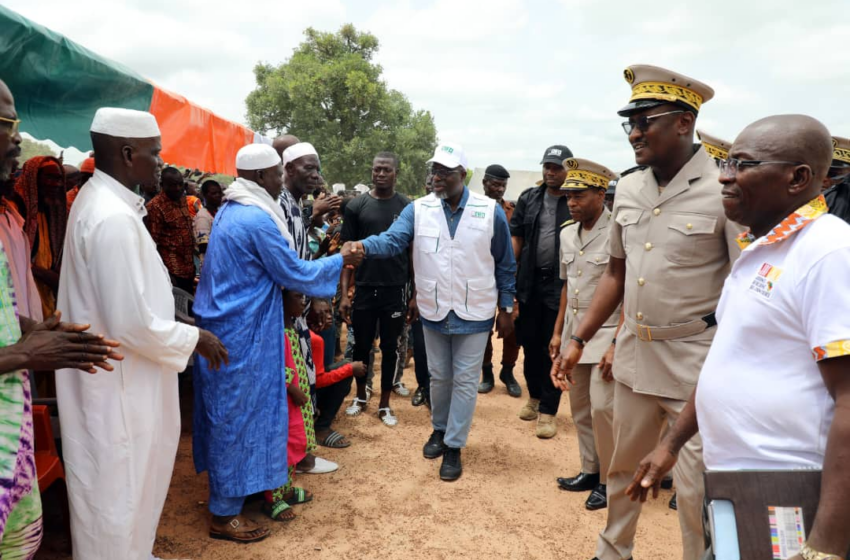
(381, 294)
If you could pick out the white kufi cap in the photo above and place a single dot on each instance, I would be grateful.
(256, 156)
(299, 150)
(124, 123)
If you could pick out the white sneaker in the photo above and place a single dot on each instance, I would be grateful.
(322, 466)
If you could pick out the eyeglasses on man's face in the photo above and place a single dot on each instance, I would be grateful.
(642, 122)
(11, 125)
(442, 172)
(729, 167)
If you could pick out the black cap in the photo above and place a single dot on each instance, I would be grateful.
(497, 171)
(556, 154)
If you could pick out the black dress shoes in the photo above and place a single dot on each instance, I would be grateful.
(506, 376)
(581, 483)
(418, 398)
(487, 381)
(451, 469)
(435, 446)
(598, 499)
(672, 504)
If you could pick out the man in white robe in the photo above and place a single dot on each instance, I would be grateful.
(120, 430)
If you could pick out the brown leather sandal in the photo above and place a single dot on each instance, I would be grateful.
(239, 529)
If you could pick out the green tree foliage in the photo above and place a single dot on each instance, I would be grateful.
(331, 94)
(32, 148)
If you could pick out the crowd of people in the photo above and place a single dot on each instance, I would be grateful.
(710, 272)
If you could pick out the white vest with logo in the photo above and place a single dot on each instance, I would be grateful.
(455, 274)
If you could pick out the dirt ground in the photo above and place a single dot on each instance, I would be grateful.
(386, 501)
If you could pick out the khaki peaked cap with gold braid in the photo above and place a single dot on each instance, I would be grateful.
(841, 149)
(714, 146)
(653, 86)
(583, 174)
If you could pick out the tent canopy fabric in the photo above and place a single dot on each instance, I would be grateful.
(59, 85)
(518, 182)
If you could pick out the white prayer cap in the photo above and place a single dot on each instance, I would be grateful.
(449, 155)
(124, 123)
(299, 150)
(256, 156)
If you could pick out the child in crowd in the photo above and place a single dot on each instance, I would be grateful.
(335, 381)
(302, 435)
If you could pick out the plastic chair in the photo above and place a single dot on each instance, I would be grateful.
(48, 466)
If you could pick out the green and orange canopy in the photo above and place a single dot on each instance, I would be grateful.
(59, 85)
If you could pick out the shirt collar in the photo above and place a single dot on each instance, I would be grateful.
(797, 220)
(132, 200)
(461, 205)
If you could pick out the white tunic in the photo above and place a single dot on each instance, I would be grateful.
(120, 430)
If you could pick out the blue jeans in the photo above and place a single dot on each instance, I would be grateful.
(454, 362)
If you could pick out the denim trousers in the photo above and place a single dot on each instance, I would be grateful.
(454, 362)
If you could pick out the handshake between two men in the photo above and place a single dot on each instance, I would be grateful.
(352, 253)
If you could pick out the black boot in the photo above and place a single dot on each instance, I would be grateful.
(507, 377)
(673, 504)
(487, 381)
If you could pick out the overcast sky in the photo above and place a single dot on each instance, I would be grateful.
(504, 78)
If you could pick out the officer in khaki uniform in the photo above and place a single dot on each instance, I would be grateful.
(584, 256)
(714, 146)
(670, 250)
(838, 179)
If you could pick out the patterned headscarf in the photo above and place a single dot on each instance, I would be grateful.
(31, 186)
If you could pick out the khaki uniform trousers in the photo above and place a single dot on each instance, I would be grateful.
(638, 422)
(592, 408)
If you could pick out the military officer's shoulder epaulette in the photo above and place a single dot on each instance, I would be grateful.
(568, 223)
(632, 170)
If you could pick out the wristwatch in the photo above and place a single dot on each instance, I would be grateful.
(509, 309)
(809, 553)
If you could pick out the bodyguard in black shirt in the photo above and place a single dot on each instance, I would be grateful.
(380, 296)
(536, 224)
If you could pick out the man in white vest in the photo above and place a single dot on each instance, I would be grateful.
(464, 269)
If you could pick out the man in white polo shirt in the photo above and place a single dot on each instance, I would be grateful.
(774, 392)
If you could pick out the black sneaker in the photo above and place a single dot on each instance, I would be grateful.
(435, 446)
(451, 469)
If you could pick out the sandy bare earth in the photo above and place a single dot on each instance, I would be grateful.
(387, 502)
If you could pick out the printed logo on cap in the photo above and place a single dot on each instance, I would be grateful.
(554, 152)
(448, 149)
